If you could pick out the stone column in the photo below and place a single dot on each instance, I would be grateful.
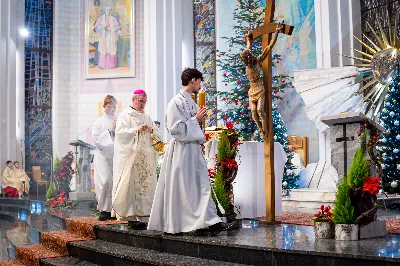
(168, 42)
(12, 84)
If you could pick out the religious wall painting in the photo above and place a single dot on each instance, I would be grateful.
(109, 39)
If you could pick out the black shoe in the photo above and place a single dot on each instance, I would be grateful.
(25, 194)
(176, 234)
(217, 228)
(104, 216)
(136, 225)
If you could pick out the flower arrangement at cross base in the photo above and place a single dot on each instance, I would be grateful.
(63, 172)
(356, 201)
(224, 172)
(60, 202)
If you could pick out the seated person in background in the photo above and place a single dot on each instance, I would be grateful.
(157, 123)
(23, 177)
(10, 184)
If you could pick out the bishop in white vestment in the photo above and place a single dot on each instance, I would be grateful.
(183, 201)
(135, 162)
(103, 135)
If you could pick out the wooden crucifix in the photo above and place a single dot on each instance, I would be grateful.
(266, 31)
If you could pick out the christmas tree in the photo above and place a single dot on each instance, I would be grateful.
(390, 139)
(247, 16)
(289, 180)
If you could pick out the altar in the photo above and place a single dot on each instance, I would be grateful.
(249, 185)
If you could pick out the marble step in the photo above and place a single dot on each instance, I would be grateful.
(108, 253)
(66, 261)
(14, 201)
(307, 200)
(308, 194)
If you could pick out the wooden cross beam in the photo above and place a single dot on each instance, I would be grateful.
(266, 31)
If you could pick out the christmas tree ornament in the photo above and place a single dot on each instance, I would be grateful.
(384, 140)
(387, 132)
(395, 150)
(394, 184)
(398, 137)
(391, 113)
(383, 166)
(396, 123)
(398, 167)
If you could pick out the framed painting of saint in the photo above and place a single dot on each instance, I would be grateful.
(109, 39)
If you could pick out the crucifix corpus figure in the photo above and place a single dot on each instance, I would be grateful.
(257, 90)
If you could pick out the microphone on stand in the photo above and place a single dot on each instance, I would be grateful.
(83, 132)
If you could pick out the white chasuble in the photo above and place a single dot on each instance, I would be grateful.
(183, 202)
(135, 162)
(103, 161)
(23, 177)
(10, 180)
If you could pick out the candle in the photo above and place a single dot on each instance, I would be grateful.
(202, 99)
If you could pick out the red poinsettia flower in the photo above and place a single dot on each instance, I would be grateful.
(230, 163)
(237, 143)
(324, 215)
(211, 173)
(229, 125)
(371, 184)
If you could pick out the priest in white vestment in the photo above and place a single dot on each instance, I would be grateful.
(135, 163)
(23, 177)
(103, 135)
(183, 201)
(10, 183)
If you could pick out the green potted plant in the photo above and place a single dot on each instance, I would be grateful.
(225, 171)
(323, 226)
(343, 214)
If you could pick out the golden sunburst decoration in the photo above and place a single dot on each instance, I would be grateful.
(378, 66)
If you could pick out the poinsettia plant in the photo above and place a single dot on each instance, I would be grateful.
(60, 202)
(324, 215)
(63, 173)
(225, 170)
(371, 184)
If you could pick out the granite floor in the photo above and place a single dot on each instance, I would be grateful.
(4, 226)
(28, 215)
(283, 237)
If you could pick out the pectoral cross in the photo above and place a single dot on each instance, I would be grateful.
(266, 31)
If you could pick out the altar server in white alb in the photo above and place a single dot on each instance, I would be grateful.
(103, 135)
(135, 162)
(183, 202)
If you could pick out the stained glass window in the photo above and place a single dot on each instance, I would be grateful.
(375, 12)
(38, 84)
(204, 43)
